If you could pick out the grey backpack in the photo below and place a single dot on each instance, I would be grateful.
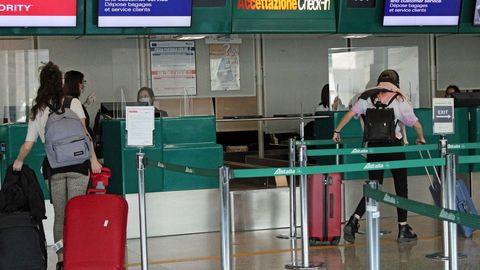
(65, 140)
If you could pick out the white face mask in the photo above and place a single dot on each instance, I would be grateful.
(145, 99)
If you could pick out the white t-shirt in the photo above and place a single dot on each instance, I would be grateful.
(36, 127)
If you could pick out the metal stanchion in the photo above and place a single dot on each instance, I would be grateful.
(448, 196)
(224, 179)
(292, 194)
(373, 231)
(141, 205)
(305, 263)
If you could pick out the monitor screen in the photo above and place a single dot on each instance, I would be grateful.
(421, 12)
(117, 109)
(38, 13)
(140, 13)
(466, 99)
(476, 15)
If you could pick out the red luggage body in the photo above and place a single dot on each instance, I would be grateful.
(95, 232)
(324, 211)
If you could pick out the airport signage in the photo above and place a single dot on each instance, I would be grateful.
(38, 13)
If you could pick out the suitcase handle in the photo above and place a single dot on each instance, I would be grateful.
(426, 169)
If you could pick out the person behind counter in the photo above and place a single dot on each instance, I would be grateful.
(64, 182)
(450, 90)
(386, 92)
(145, 94)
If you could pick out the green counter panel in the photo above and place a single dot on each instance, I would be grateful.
(191, 129)
(13, 135)
(474, 134)
(122, 159)
(178, 140)
(354, 130)
(208, 156)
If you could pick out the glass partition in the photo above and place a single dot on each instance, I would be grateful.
(19, 82)
(352, 70)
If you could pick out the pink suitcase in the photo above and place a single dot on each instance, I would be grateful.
(95, 232)
(324, 209)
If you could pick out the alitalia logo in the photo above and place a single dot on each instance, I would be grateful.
(188, 170)
(445, 215)
(454, 146)
(359, 151)
(281, 171)
(389, 199)
(370, 166)
(315, 5)
(160, 165)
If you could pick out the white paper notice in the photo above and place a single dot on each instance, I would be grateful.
(140, 125)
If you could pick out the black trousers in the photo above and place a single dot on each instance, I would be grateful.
(399, 177)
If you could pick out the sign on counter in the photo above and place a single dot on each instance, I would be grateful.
(443, 115)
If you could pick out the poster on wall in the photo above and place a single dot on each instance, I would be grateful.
(144, 13)
(421, 12)
(38, 13)
(224, 67)
(173, 68)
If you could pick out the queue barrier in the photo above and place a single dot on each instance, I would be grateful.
(226, 174)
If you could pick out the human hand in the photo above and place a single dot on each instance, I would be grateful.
(420, 141)
(90, 99)
(336, 136)
(17, 165)
(95, 166)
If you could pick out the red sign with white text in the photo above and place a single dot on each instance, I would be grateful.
(38, 13)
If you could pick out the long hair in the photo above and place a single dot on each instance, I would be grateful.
(325, 96)
(50, 89)
(71, 84)
(148, 90)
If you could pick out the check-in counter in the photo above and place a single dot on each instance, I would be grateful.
(12, 136)
(474, 136)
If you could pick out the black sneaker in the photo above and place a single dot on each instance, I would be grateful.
(350, 229)
(59, 266)
(406, 234)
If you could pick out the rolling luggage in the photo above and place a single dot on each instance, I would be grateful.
(324, 209)
(95, 232)
(464, 201)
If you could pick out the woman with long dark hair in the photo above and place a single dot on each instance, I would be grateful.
(64, 182)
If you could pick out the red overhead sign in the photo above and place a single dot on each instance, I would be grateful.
(38, 13)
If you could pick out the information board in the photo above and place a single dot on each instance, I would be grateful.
(421, 12)
(443, 115)
(38, 13)
(144, 13)
(140, 125)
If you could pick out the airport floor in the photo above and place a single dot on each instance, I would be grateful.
(262, 250)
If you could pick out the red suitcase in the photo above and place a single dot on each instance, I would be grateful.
(324, 209)
(95, 232)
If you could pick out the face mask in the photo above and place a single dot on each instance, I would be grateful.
(145, 99)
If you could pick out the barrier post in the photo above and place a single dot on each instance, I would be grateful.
(373, 233)
(224, 179)
(450, 183)
(141, 205)
(305, 264)
(292, 193)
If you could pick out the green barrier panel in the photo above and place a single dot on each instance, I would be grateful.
(372, 150)
(469, 159)
(423, 209)
(183, 169)
(414, 163)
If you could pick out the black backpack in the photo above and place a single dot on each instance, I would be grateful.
(379, 122)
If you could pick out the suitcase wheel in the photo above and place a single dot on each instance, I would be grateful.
(335, 241)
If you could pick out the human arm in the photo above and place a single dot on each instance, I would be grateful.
(345, 119)
(419, 130)
(24, 151)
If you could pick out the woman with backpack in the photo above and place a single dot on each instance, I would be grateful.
(64, 182)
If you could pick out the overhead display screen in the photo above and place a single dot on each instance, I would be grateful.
(421, 12)
(144, 13)
(38, 13)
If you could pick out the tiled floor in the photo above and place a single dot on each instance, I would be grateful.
(261, 250)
